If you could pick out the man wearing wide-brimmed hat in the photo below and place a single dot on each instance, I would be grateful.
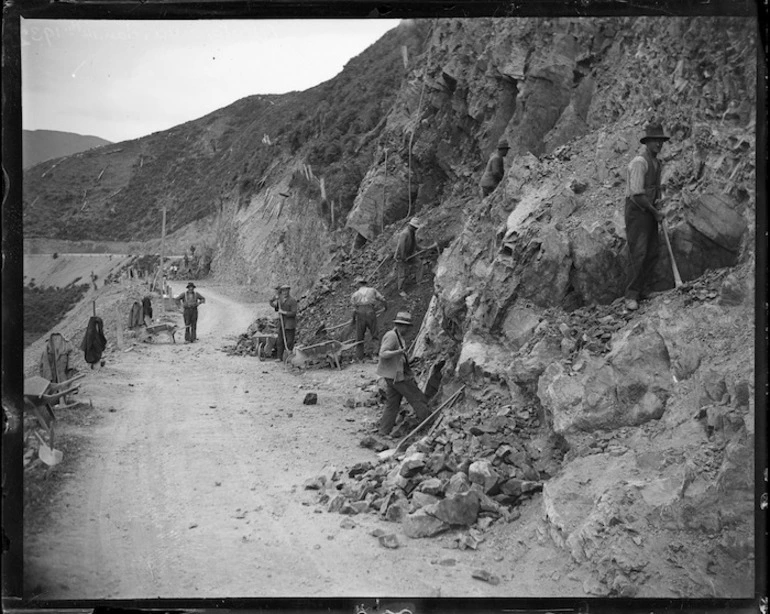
(493, 173)
(393, 366)
(286, 306)
(190, 300)
(365, 301)
(407, 246)
(642, 213)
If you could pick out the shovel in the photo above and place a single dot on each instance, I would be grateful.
(386, 454)
(48, 455)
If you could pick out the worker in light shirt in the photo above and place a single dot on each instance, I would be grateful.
(365, 301)
(642, 213)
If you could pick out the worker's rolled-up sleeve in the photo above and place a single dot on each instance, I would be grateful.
(637, 168)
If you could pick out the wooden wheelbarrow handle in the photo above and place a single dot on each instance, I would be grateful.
(53, 398)
(55, 387)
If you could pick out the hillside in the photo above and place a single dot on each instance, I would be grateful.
(42, 145)
(636, 429)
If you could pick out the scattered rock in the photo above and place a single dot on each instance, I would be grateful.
(458, 509)
(372, 443)
(485, 576)
(732, 291)
(458, 483)
(421, 499)
(431, 486)
(311, 398)
(336, 503)
(421, 524)
(481, 472)
(396, 512)
(389, 541)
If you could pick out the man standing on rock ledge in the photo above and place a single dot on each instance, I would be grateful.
(493, 173)
(393, 365)
(407, 247)
(642, 214)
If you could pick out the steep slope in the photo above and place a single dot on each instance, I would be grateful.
(232, 163)
(41, 145)
(643, 441)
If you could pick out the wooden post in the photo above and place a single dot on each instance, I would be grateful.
(119, 329)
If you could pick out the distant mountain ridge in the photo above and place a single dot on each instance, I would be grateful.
(41, 145)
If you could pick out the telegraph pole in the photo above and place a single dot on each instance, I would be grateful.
(162, 255)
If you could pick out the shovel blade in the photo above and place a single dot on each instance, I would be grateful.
(48, 456)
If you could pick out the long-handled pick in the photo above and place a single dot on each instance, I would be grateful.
(402, 444)
(677, 278)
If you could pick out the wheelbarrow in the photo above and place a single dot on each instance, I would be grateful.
(163, 327)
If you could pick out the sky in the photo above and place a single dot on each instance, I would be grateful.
(121, 80)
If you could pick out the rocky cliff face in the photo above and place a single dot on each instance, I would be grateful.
(526, 294)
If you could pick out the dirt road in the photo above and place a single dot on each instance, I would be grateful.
(186, 480)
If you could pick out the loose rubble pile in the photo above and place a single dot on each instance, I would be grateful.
(248, 343)
(467, 472)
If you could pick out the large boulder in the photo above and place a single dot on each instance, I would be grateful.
(628, 387)
(710, 238)
(525, 369)
(519, 324)
(599, 272)
(480, 357)
(458, 509)
(367, 217)
(422, 524)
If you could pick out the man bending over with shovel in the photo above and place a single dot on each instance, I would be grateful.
(394, 367)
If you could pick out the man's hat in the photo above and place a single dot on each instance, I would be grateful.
(503, 144)
(285, 287)
(191, 285)
(653, 130)
(415, 222)
(403, 317)
(360, 280)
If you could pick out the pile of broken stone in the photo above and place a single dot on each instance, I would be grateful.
(468, 472)
(247, 343)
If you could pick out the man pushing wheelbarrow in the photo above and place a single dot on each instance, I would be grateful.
(190, 300)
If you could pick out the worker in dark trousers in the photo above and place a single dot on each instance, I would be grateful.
(642, 213)
(394, 367)
(407, 246)
(365, 301)
(190, 300)
(494, 171)
(286, 306)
